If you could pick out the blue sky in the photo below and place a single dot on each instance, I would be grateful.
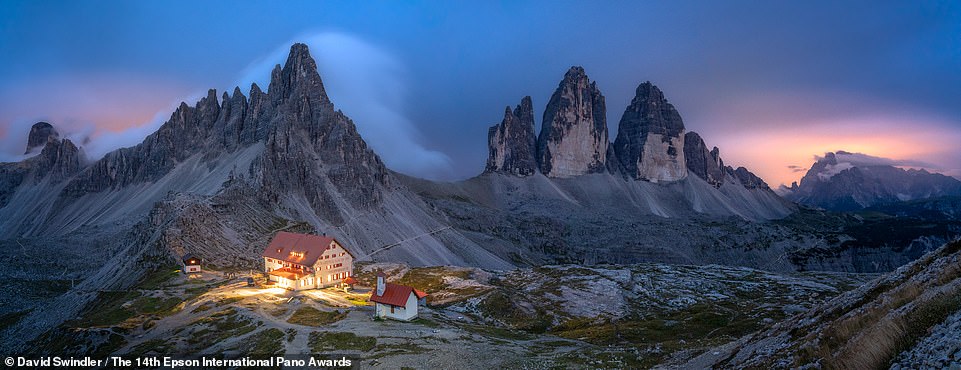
(771, 83)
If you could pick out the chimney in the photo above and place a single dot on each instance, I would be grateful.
(380, 284)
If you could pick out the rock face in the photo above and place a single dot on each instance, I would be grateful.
(747, 178)
(310, 145)
(703, 163)
(573, 139)
(40, 133)
(60, 160)
(844, 181)
(650, 138)
(902, 321)
(513, 147)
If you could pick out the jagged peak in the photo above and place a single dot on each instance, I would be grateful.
(299, 73)
(575, 73)
(208, 101)
(649, 91)
(41, 133)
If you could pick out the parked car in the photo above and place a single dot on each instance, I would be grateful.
(250, 281)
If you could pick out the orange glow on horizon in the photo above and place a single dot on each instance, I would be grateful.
(768, 153)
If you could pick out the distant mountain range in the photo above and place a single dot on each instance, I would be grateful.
(844, 181)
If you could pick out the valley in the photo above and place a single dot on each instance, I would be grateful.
(561, 315)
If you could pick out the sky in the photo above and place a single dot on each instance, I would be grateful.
(772, 84)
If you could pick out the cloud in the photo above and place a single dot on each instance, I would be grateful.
(796, 168)
(864, 160)
(98, 112)
(834, 169)
(370, 86)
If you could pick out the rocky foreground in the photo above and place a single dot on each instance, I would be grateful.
(565, 315)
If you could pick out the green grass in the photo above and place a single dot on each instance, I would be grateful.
(159, 278)
(108, 310)
(309, 316)
(265, 342)
(500, 306)
(406, 348)
(220, 326)
(698, 326)
(321, 342)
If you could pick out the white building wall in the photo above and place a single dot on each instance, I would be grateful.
(325, 270)
(324, 275)
(406, 313)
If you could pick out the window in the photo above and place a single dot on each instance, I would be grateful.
(391, 309)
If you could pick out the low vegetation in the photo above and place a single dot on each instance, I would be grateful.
(265, 342)
(220, 326)
(320, 342)
(309, 316)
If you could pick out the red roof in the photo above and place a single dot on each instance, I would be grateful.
(350, 281)
(302, 249)
(420, 294)
(289, 273)
(394, 295)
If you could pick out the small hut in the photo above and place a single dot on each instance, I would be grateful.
(191, 264)
(348, 283)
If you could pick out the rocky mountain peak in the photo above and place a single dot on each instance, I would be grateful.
(40, 134)
(703, 163)
(845, 181)
(650, 137)
(511, 143)
(59, 159)
(298, 77)
(573, 139)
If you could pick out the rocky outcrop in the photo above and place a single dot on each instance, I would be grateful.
(895, 321)
(747, 178)
(703, 163)
(650, 138)
(573, 139)
(310, 145)
(312, 150)
(59, 160)
(512, 144)
(40, 134)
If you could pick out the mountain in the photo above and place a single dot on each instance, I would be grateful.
(846, 181)
(223, 175)
(573, 139)
(907, 319)
(513, 146)
(590, 201)
(288, 147)
(217, 179)
(40, 133)
(650, 138)
(704, 163)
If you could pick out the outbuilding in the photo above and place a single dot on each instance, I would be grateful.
(395, 301)
(190, 264)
